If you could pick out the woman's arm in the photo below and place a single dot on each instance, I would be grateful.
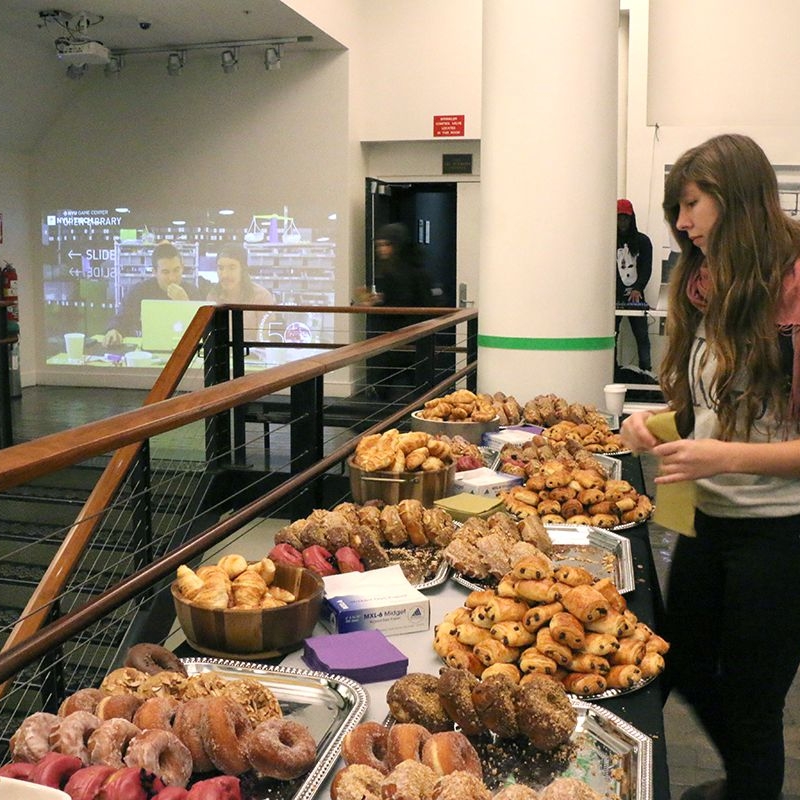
(635, 434)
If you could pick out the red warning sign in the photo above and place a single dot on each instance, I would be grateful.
(448, 125)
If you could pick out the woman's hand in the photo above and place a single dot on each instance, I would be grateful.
(635, 435)
(689, 459)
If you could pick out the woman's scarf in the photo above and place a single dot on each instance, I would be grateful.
(787, 317)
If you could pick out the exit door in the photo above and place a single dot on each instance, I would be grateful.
(428, 210)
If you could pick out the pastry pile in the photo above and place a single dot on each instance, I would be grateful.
(460, 406)
(392, 451)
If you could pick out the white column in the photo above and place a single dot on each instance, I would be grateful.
(548, 197)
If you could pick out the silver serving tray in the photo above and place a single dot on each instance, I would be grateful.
(441, 575)
(329, 705)
(603, 553)
(604, 751)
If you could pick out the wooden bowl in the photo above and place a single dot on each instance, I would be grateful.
(260, 632)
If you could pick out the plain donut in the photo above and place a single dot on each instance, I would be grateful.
(367, 744)
(451, 751)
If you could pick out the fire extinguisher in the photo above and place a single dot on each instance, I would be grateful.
(10, 293)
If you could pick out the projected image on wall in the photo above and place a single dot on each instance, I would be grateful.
(120, 285)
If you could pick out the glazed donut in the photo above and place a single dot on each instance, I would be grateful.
(54, 770)
(85, 784)
(109, 742)
(367, 744)
(152, 658)
(280, 748)
(451, 751)
(156, 712)
(544, 713)
(125, 680)
(72, 733)
(409, 780)
(455, 693)
(32, 739)
(257, 699)
(118, 706)
(494, 701)
(162, 753)
(357, 782)
(224, 726)
(82, 700)
(415, 698)
(163, 683)
(405, 742)
(188, 727)
(461, 785)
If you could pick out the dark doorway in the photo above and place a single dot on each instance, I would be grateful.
(428, 210)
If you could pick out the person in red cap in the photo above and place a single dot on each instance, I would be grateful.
(634, 268)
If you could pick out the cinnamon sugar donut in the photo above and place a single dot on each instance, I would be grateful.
(109, 742)
(156, 713)
(72, 733)
(162, 753)
(82, 700)
(455, 693)
(32, 739)
(152, 658)
(545, 714)
(568, 789)
(188, 727)
(516, 791)
(409, 780)
(357, 782)
(461, 786)
(415, 698)
(280, 748)
(405, 742)
(451, 751)
(118, 706)
(224, 726)
(495, 704)
(125, 680)
(367, 744)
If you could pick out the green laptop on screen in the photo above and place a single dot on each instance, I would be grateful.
(165, 321)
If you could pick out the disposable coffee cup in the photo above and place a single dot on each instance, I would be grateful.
(138, 358)
(73, 343)
(615, 397)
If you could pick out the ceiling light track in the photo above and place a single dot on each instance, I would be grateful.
(272, 42)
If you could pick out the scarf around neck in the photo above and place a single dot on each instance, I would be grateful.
(787, 317)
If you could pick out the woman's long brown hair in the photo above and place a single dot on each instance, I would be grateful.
(751, 247)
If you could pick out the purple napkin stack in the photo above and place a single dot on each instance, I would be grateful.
(365, 656)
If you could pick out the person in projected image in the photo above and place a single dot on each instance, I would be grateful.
(166, 284)
(236, 286)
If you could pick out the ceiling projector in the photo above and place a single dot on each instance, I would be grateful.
(72, 52)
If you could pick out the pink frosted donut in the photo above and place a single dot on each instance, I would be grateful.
(71, 735)
(32, 739)
(109, 742)
(163, 753)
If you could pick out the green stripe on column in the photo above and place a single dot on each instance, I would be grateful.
(523, 343)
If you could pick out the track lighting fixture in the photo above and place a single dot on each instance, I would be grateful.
(229, 60)
(77, 71)
(114, 66)
(272, 57)
(175, 62)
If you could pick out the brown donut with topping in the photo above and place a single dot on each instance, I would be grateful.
(455, 693)
(280, 748)
(495, 704)
(451, 751)
(153, 658)
(357, 782)
(405, 742)
(544, 713)
(156, 713)
(109, 742)
(124, 680)
(188, 727)
(162, 753)
(367, 744)
(225, 726)
(82, 700)
(415, 698)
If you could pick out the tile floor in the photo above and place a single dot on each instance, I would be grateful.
(692, 760)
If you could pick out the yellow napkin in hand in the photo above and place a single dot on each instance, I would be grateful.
(675, 502)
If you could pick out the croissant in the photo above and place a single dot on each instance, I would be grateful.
(232, 564)
(540, 615)
(652, 665)
(189, 582)
(412, 440)
(532, 660)
(471, 634)
(586, 662)
(623, 676)
(584, 683)
(248, 589)
(631, 651)
(281, 595)
(499, 609)
(586, 603)
(573, 576)
(214, 595)
(566, 628)
(491, 651)
(546, 644)
(608, 589)
(512, 633)
(599, 644)
(265, 568)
